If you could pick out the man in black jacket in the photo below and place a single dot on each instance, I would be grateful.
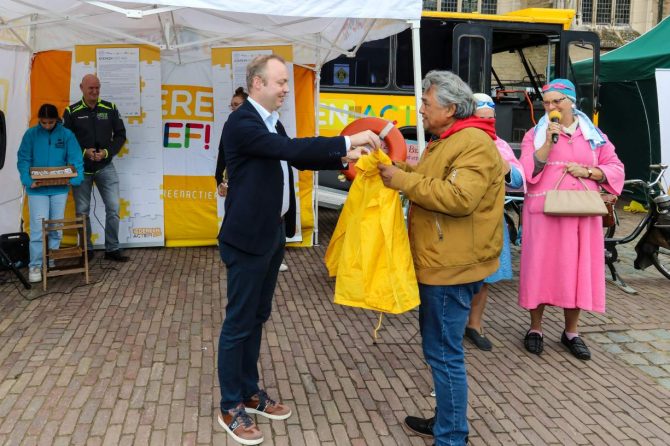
(101, 134)
(260, 213)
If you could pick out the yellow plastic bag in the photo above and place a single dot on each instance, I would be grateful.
(369, 251)
(635, 207)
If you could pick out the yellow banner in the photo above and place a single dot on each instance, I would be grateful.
(187, 102)
(305, 126)
(400, 109)
(195, 197)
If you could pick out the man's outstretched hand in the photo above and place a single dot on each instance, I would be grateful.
(386, 171)
(361, 144)
(355, 153)
(366, 138)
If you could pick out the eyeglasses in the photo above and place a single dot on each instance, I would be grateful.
(485, 104)
(554, 102)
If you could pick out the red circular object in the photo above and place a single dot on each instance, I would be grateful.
(395, 142)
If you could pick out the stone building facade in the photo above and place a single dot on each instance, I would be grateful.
(617, 22)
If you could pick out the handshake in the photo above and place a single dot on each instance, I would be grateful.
(361, 144)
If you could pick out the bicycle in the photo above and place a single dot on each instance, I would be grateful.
(512, 213)
(654, 246)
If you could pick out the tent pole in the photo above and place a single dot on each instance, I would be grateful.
(646, 118)
(320, 62)
(267, 30)
(176, 38)
(82, 21)
(317, 100)
(416, 52)
(367, 31)
(315, 187)
(15, 34)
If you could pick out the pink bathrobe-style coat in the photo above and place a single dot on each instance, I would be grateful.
(562, 258)
(507, 154)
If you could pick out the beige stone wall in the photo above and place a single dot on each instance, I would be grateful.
(507, 6)
(643, 15)
(536, 3)
(508, 66)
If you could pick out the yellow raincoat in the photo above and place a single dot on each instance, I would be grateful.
(369, 251)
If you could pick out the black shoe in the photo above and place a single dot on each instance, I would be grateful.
(534, 343)
(116, 256)
(477, 338)
(577, 347)
(420, 426)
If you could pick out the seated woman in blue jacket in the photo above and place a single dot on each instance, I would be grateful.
(48, 144)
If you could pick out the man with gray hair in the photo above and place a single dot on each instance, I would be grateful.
(455, 225)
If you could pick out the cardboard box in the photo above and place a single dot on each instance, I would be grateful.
(52, 176)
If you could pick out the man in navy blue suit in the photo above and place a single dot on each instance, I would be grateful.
(259, 215)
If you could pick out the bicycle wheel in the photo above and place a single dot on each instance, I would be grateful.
(608, 232)
(661, 260)
(511, 227)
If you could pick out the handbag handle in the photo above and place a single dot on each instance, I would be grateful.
(563, 176)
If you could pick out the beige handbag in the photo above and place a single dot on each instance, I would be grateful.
(573, 203)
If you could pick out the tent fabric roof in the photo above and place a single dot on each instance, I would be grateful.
(186, 29)
(636, 60)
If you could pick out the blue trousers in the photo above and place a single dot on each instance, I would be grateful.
(443, 315)
(107, 182)
(47, 207)
(251, 286)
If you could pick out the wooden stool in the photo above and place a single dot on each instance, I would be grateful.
(75, 252)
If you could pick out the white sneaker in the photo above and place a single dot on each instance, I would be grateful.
(283, 267)
(34, 274)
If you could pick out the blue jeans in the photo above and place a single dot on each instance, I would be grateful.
(443, 315)
(251, 286)
(44, 207)
(107, 182)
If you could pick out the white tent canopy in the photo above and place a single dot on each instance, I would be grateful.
(186, 29)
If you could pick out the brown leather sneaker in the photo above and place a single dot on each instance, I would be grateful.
(265, 406)
(240, 426)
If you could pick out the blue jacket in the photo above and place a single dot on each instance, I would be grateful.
(255, 180)
(42, 148)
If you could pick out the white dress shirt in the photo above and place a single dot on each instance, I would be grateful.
(270, 120)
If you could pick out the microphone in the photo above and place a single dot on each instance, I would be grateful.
(554, 116)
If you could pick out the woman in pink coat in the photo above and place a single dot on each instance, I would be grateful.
(562, 258)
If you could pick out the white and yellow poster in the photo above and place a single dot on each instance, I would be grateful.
(189, 155)
(139, 164)
(166, 170)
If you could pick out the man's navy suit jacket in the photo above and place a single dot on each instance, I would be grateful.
(255, 179)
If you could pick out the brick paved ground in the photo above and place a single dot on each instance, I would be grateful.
(130, 359)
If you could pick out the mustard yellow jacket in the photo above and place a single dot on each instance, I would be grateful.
(457, 195)
(369, 251)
